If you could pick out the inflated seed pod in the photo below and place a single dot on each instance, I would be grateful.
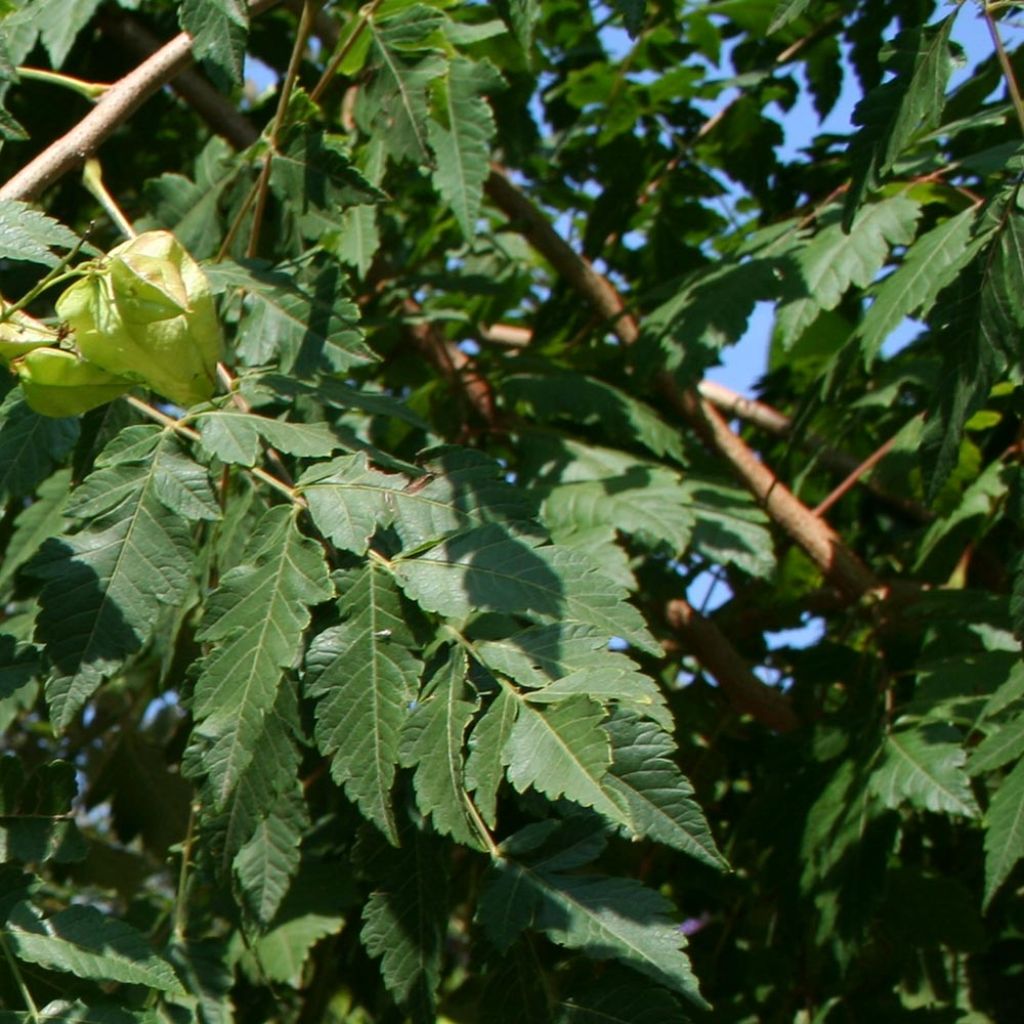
(21, 333)
(146, 313)
(57, 383)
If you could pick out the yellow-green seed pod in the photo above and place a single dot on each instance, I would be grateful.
(147, 313)
(21, 333)
(57, 383)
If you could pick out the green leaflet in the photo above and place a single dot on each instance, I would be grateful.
(30, 445)
(658, 797)
(234, 436)
(348, 499)
(628, 922)
(432, 744)
(265, 865)
(27, 234)
(929, 265)
(461, 139)
(842, 255)
(256, 619)
(492, 569)
(1004, 831)
(405, 918)
(312, 910)
(107, 586)
(84, 942)
(787, 11)
(364, 676)
(650, 504)
(620, 998)
(558, 660)
(893, 113)
(592, 402)
(563, 750)
(301, 319)
(404, 63)
(485, 766)
(219, 28)
(924, 766)
(314, 172)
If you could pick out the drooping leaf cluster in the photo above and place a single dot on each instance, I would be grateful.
(368, 690)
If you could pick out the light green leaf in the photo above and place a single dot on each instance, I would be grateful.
(349, 500)
(563, 750)
(461, 140)
(1003, 745)
(656, 794)
(602, 917)
(364, 676)
(837, 257)
(1004, 831)
(219, 29)
(924, 767)
(787, 11)
(233, 436)
(651, 504)
(27, 234)
(87, 943)
(254, 620)
(432, 744)
(929, 265)
(59, 22)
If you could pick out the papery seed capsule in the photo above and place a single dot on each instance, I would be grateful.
(146, 313)
(57, 383)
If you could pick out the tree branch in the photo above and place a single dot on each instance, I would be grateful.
(218, 112)
(745, 692)
(839, 564)
(116, 105)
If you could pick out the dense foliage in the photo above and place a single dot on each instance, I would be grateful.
(367, 689)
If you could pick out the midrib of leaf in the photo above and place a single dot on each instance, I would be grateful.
(603, 803)
(403, 91)
(237, 751)
(580, 911)
(923, 770)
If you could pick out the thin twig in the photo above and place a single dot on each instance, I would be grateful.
(26, 995)
(302, 34)
(193, 435)
(365, 16)
(854, 478)
(1005, 65)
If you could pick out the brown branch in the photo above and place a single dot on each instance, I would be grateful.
(453, 364)
(839, 564)
(744, 691)
(116, 105)
(214, 108)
